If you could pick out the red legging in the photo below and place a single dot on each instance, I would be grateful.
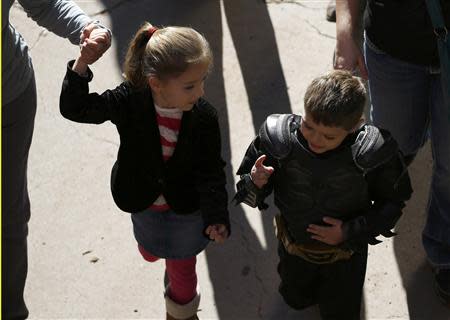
(182, 276)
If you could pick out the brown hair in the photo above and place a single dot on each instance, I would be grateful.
(166, 52)
(336, 99)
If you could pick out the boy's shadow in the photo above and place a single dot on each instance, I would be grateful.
(416, 274)
(242, 271)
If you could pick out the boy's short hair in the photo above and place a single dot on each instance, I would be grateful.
(336, 99)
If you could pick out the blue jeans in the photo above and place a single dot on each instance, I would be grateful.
(408, 100)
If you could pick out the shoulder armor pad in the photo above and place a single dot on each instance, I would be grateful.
(373, 147)
(275, 134)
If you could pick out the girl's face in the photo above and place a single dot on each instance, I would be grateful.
(180, 92)
(321, 138)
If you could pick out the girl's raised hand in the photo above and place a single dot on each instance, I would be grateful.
(94, 43)
(260, 173)
(217, 232)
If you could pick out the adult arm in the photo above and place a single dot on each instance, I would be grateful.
(67, 20)
(348, 54)
(63, 18)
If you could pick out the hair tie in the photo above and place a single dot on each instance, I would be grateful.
(151, 31)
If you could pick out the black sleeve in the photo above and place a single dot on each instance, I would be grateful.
(389, 188)
(77, 104)
(209, 170)
(254, 151)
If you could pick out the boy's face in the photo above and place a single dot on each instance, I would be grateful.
(180, 92)
(321, 138)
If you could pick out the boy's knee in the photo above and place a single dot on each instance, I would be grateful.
(294, 299)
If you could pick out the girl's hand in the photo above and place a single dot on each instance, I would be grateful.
(217, 232)
(260, 173)
(94, 43)
(332, 234)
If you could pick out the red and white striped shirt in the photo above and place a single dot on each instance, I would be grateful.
(169, 122)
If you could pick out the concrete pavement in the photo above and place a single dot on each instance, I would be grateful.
(83, 260)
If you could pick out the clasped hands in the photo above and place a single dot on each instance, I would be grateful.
(94, 41)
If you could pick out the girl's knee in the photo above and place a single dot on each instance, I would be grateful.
(147, 255)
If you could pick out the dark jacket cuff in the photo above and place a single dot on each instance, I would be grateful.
(72, 76)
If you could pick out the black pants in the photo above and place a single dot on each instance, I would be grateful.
(17, 131)
(336, 287)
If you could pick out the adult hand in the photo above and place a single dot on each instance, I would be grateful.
(260, 173)
(94, 42)
(348, 56)
(332, 234)
(93, 26)
(217, 232)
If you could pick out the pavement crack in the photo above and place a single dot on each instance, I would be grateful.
(99, 139)
(319, 32)
(41, 35)
(93, 136)
(261, 300)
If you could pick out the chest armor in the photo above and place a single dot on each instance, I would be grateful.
(308, 187)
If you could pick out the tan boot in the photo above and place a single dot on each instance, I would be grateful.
(186, 311)
(169, 317)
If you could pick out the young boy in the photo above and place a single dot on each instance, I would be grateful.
(337, 183)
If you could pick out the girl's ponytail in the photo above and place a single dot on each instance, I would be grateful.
(134, 60)
(166, 53)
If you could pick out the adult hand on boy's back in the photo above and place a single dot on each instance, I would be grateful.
(217, 232)
(331, 234)
(260, 173)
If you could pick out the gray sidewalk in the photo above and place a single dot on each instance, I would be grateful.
(84, 262)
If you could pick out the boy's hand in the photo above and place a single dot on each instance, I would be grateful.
(332, 234)
(217, 232)
(260, 173)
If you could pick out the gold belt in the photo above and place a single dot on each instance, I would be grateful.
(317, 254)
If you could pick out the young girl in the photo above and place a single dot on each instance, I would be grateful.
(169, 171)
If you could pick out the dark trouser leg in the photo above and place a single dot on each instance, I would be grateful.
(299, 280)
(17, 132)
(341, 286)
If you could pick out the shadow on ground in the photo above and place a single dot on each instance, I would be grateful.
(416, 274)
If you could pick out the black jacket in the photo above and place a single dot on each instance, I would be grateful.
(193, 178)
(309, 186)
(403, 29)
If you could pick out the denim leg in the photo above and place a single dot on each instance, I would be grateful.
(407, 100)
(399, 94)
(436, 235)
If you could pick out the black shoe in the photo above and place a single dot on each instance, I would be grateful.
(442, 285)
(331, 11)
